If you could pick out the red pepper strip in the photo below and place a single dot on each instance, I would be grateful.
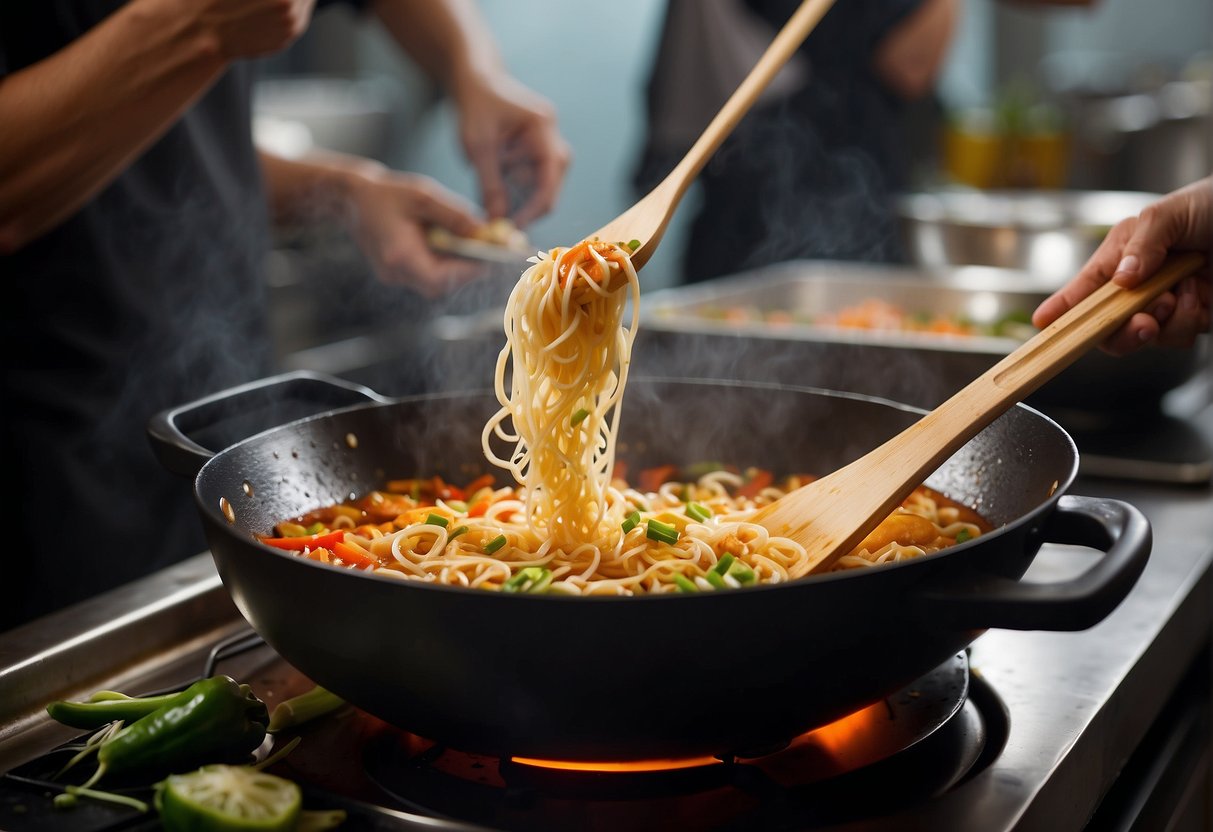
(652, 478)
(756, 483)
(353, 555)
(481, 508)
(324, 540)
(485, 481)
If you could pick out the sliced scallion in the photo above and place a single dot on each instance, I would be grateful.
(684, 583)
(698, 511)
(494, 544)
(436, 520)
(743, 573)
(532, 579)
(630, 522)
(458, 530)
(662, 532)
(722, 566)
(633, 244)
(579, 417)
(716, 580)
(963, 535)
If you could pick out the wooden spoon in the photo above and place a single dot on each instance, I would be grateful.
(646, 221)
(830, 516)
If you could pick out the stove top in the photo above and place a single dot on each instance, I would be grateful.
(1044, 735)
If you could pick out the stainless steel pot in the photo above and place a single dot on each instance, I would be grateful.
(1047, 233)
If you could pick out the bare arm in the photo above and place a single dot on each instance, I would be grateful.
(908, 59)
(88, 110)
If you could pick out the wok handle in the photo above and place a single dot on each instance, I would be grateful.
(244, 411)
(985, 601)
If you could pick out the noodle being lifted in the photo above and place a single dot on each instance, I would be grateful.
(568, 526)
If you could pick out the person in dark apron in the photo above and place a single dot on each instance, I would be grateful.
(133, 232)
(811, 170)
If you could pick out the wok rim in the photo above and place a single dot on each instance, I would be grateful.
(218, 520)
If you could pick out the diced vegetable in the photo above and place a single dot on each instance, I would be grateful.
(533, 579)
(715, 579)
(458, 530)
(662, 532)
(963, 535)
(698, 511)
(742, 573)
(312, 541)
(630, 522)
(303, 708)
(684, 583)
(495, 544)
(436, 520)
(724, 564)
(579, 417)
(353, 555)
(757, 480)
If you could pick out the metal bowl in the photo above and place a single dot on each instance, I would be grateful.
(1047, 233)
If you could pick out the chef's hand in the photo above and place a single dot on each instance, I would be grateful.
(1132, 251)
(510, 137)
(389, 213)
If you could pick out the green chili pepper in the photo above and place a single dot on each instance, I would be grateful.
(214, 719)
(105, 707)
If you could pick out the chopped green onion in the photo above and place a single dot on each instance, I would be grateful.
(684, 583)
(579, 417)
(436, 520)
(532, 579)
(722, 566)
(699, 512)
(716, 580)
(743, 573)
(662, 532)
(963, 535)
(494, 544)
(315, 528)
(457, 505)
(631, 521)
(303, 708)
(458, 530)
(634, 244)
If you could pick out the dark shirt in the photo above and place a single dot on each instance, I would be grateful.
(149, 296)
(809, 176)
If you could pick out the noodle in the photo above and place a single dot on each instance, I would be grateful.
(568, 527)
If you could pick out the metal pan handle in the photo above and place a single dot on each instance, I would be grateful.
(1116, 528)
(181, 435)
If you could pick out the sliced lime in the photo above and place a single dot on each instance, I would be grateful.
(224, 798)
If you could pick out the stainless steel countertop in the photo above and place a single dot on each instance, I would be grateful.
(1079, 703)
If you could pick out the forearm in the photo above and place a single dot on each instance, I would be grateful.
(88, 110)
(447, 38)
(908, 58)
(313, 189)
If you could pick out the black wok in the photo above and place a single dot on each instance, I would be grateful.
(645, 677)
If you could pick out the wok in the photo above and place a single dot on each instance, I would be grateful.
(642, 677)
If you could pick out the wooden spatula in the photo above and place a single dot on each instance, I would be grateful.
(646, 221)
(830, 516)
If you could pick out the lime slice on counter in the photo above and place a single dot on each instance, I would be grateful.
(223, 798)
